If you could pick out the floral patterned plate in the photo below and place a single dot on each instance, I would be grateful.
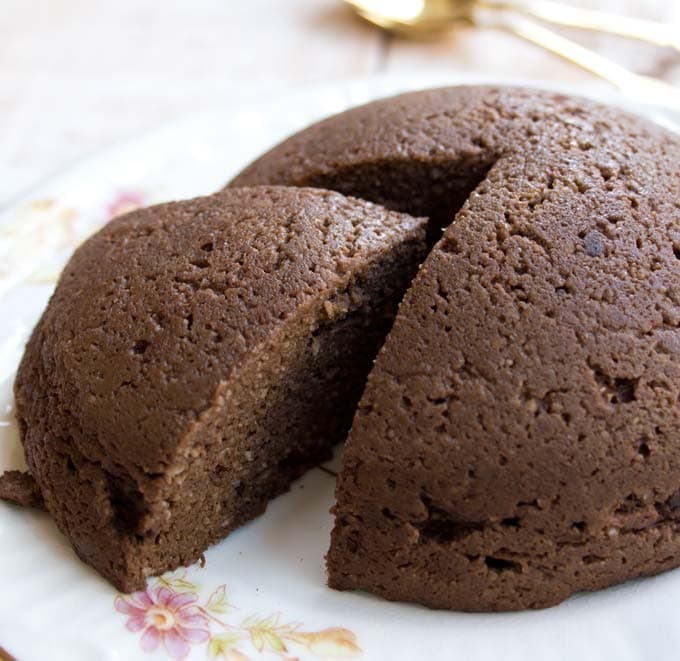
(261, 594)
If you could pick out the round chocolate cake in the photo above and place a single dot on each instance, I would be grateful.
(171, 387)
(519, 436)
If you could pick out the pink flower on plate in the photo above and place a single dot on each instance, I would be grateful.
(167, 617)
(124, 202)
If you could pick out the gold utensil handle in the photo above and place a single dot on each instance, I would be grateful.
(643, 89)
(654, 32)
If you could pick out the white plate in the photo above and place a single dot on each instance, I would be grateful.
(262, 593)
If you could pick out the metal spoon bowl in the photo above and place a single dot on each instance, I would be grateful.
(427, 18)
(417, 17)
(414, 18)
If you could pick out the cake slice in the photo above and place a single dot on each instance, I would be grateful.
(196, 358)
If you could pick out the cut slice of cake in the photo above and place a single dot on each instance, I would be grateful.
(196, 358)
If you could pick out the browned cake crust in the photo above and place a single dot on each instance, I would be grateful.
(196, 357)
(519, 437)
(20, 488)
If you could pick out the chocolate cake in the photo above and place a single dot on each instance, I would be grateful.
(20, 488)
(196, 358)
(519, 436)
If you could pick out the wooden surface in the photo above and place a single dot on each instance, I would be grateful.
(78, 75)
(4, 656)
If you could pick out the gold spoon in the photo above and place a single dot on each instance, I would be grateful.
(419, 18)
(430, 16)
